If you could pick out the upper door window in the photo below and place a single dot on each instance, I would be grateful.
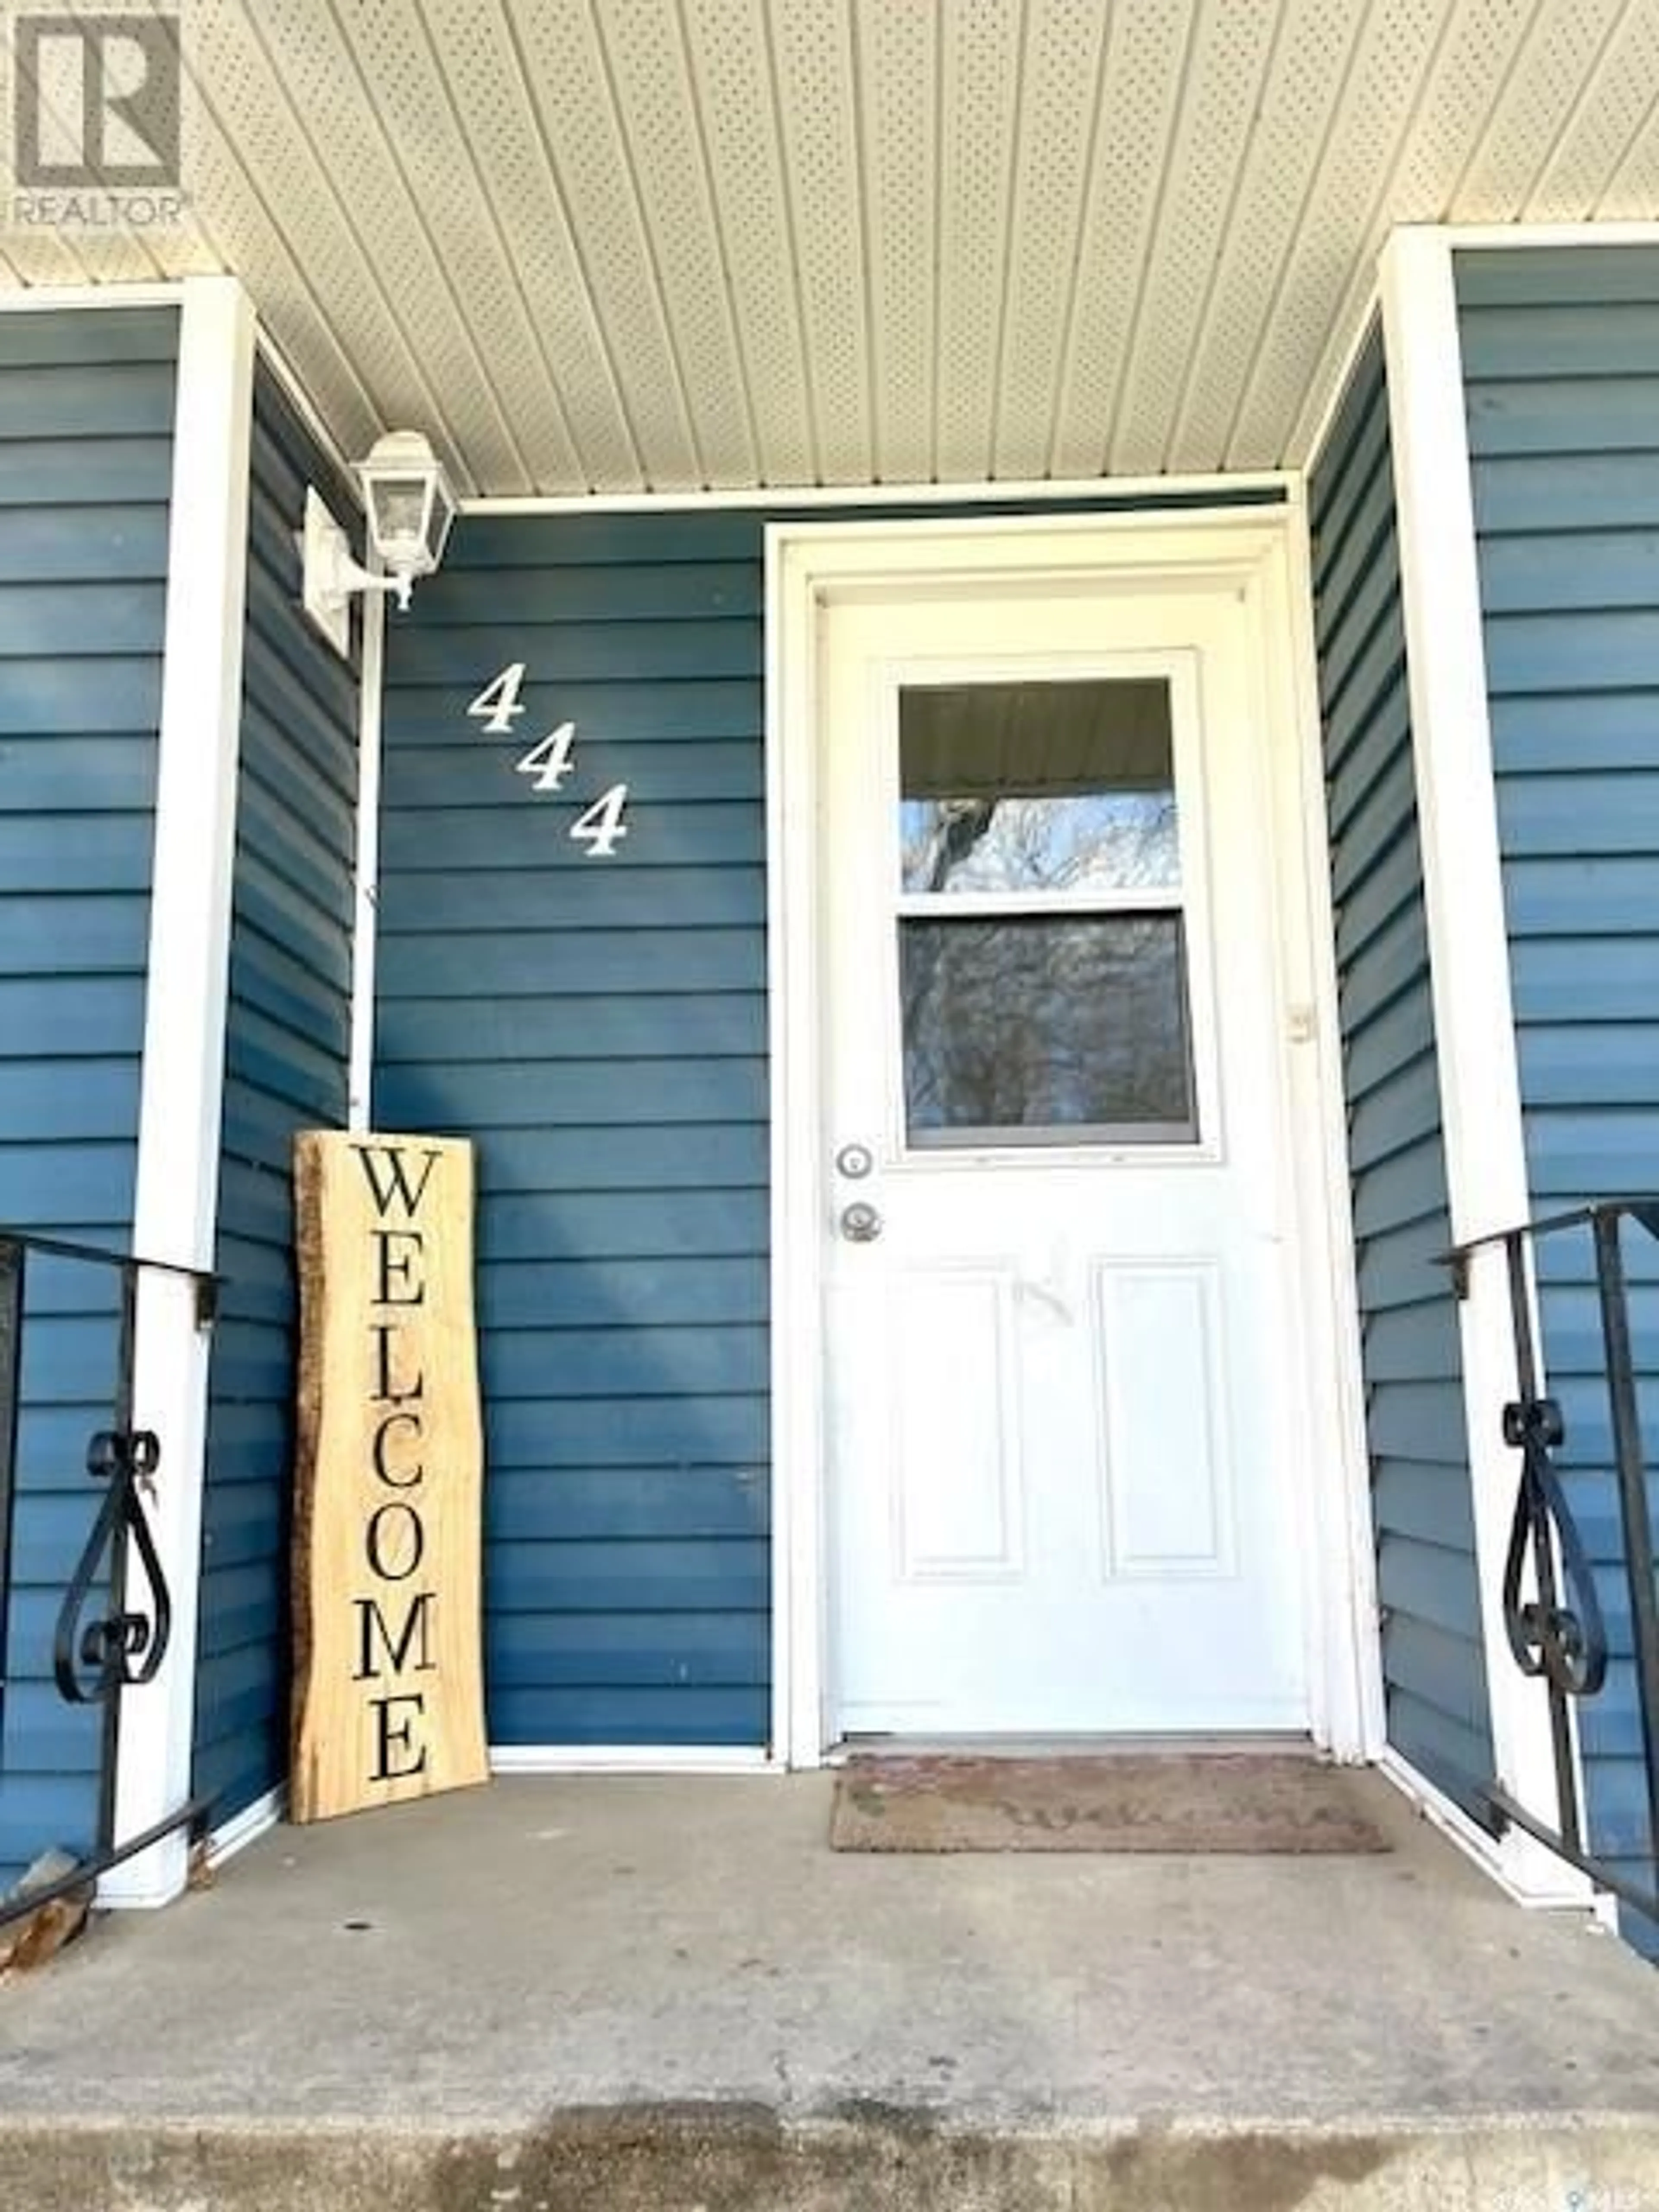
(1042, 956)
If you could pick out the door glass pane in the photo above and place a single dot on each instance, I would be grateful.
(1027, 1029)
(1036, 786)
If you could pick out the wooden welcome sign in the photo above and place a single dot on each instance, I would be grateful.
(388, 1690)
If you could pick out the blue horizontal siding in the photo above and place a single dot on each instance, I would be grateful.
(600, 1029)
(286, 1055)
(688, 1716)
(1433, 1663)
(651, 1025)
(1561, 365)
(86, 424)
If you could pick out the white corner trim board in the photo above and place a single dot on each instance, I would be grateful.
(359, 1100)
(181, 1091)
(276, 362)
(1324, 421)
(1468, 951)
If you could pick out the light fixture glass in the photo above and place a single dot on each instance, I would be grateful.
(409, 506)
(409, 509)
(400, 517)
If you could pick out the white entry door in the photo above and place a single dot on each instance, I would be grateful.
(1060, 1484)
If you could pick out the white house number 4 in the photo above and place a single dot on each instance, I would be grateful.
(550, 762)
(599, 825)
(550, 759)
(498, 706)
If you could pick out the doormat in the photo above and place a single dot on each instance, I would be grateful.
(1177, 1801)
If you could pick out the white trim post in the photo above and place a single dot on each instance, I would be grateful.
(364, 940)
(1468, 954)
(183, 1083)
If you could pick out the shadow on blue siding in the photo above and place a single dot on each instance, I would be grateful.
(286, 1066)
(1433, 1663)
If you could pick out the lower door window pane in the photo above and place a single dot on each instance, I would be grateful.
(1025, 1030)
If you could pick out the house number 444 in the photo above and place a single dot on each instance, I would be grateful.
(550, 762)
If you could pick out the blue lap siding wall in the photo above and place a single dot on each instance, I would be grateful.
(1433, 1663)
(1561, 371)
(599, 1027)
(87, 403)
(287, 1051)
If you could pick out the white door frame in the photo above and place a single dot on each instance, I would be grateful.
(1260, 552)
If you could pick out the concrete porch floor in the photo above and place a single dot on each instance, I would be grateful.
(645, 1993)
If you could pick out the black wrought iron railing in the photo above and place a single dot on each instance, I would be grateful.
(114, 1620)
(1554, 1609)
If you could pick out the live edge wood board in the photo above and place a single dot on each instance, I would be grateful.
(388, 1677)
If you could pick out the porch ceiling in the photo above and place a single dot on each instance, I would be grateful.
(660, 245)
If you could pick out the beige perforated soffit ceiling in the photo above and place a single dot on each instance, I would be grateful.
(663, 244)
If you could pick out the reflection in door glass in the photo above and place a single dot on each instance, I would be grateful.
(1025, 1030)
(1037, 786)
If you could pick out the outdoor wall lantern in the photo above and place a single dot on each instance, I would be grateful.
(409, 509)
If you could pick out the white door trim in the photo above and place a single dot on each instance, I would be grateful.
(1258, 552)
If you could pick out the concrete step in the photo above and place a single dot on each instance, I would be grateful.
(736, 2158)
(609, 1994)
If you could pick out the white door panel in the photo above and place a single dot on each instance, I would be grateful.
(1057, 1483)
(1169, 1507)
(958, 1457)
